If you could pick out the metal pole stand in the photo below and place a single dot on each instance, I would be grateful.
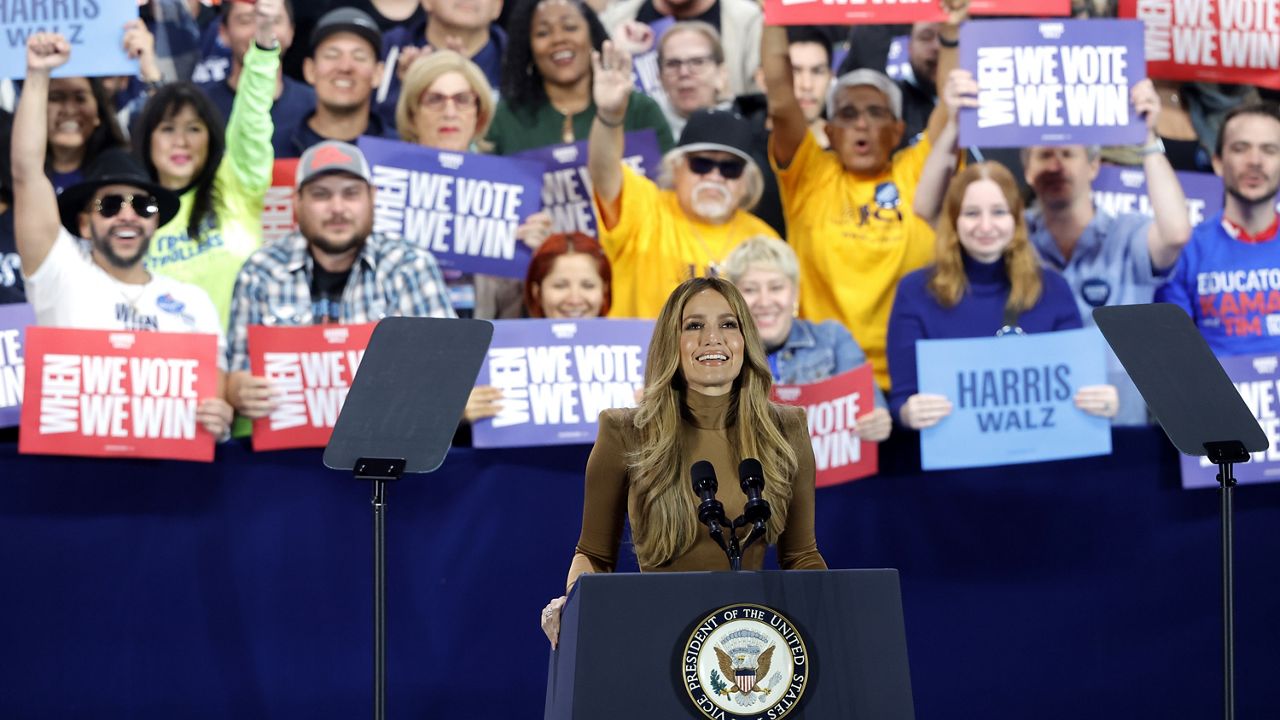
(379, 471)
(1224, 455)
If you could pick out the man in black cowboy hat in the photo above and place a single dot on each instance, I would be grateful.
(117, 208)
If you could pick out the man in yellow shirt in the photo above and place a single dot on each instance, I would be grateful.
(656, 237)
(850, 213)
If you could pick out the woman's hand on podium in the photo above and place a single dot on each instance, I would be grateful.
(551, 620)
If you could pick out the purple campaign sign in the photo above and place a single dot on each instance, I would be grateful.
(1124, 190)
(557, 375)
(645, 64)
(1257, 379)
(566, 188)
(14, 320)
(897, 64)
(95, 31)
(463, 207)
(1052, 82)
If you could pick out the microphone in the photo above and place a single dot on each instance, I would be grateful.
(710, 510)
(756, 510)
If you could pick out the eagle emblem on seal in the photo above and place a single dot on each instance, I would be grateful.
(743, 674)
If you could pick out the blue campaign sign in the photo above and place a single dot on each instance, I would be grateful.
(1257, 379)
(1012, 399)
(463, 207)
(14, 320)
(94, 29)
(557, 375)
(1052, 82)
(566, 187)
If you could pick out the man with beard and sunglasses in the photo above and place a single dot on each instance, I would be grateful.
(657, 237)
(1228, 277)
(104, 286)
(334, 269)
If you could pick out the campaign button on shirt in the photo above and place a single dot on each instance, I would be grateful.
(1095, 291)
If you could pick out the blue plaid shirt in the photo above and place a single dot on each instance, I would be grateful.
(389, 277)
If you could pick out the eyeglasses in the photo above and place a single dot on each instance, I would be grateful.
(849, 114)
(144, 206)
(464, 101)
(695, 64)
(729, 169)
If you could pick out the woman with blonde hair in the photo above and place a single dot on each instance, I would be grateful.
(986, 280)
(706, 397)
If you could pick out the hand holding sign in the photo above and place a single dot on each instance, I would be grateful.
(215, 416)
(611, 83)
(960, 91)
(1146, 103)
(46, 51)
(535, 229)
(875, 425)
(924, 410)
(140, 45)
(485, 401)
(1098, 400)
(253, 396)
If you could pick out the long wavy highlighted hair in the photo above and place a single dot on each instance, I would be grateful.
(666, 524)
(1021, 262)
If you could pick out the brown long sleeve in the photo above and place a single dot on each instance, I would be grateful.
(798, 546)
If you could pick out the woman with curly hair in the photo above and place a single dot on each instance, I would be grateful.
(706, 397)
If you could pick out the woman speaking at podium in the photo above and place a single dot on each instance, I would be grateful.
(706, 398)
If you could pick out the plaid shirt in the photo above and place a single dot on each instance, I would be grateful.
(390, 277)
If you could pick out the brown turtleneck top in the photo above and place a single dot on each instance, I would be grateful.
(610, 496)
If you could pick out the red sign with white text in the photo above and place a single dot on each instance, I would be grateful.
(851, 12)
(277, 204)
(108, 393)
(1229, 41)
(1021, 8)
(834, 406)
(311, 369)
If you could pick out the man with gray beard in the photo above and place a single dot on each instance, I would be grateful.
(659, 235)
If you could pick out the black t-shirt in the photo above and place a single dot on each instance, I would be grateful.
(11, 287)
(326, 293)
(648, 14)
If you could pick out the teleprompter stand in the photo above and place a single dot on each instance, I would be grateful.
(1200, 410)
(399, 417)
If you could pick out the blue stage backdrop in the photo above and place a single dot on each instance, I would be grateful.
(143, 589)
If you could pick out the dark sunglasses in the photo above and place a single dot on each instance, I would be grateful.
(729, 169)
(144, 206)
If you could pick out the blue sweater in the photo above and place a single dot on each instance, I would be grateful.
(1231, 289)
(917, 315)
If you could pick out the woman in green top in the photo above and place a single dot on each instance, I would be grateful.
(546, 80)
(220, 175)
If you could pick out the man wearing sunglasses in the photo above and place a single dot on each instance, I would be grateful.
(657, 237)
(117, 209)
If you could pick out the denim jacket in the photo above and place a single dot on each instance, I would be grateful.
(817, 351)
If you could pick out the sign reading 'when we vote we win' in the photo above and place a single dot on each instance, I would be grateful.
(311, 369)
(1230, 41)
(1257, 379)
(1013, 399)
(833, 407)
(1052, 82)
(14, 320)
(556, 376)
(463, 207)
(109, 393)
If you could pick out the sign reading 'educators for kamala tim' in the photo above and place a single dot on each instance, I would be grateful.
(1052, 82)
(93, 28)
(745, 661)
(463, 207)
(1257, 378)
(556, 376)
(833, 407)
(566, 187)
(1012, 399)
(1229, 41)
(14, 320)
(111, 393)
(310, 369)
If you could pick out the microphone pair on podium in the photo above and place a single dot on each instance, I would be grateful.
(711, 511)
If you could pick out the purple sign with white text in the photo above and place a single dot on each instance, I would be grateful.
(648, 75)
(566, 188)
(14, 320)
(1122, 190)
(463, 207)
(1052, 82)
(1257, 379)
(557, 375)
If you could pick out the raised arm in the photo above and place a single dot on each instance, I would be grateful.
(249, 127)
(960, 91)
(948, 59)
(35, 204)
(611, 90)
(789, 124)
(1171, 229)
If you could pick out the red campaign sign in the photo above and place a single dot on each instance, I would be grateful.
(833, 407)
(107, 393)
(851, 12)
(311, 368)
(1021, 8)
(1230, 41)
(277, 204)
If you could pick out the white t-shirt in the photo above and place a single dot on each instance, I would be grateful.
(69, 290)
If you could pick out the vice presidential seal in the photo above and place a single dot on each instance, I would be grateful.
(745, 661)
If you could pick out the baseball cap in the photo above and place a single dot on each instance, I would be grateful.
(713, 129)
(332, 156)
(347, 19)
